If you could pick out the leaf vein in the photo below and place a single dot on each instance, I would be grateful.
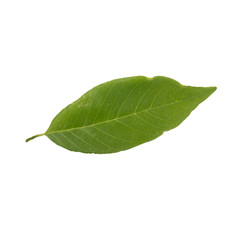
(154, 115)
(69, 140)
(103, 103)
(144, 93)
(127, 125)
(146, 121)
(127, 98)
(82, 139)
(110, 135)
(99, 140)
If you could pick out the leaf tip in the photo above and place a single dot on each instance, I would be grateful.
(211, 90)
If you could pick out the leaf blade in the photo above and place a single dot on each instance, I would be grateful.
(124, 113)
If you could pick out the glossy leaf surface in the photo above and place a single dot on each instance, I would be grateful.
(123, 113)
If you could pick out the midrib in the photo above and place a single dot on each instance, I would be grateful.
(114, 119)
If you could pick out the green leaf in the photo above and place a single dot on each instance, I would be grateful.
(123, 113)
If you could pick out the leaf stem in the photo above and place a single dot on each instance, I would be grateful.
(35, 136)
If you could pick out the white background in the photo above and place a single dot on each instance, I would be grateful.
(183, 185)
